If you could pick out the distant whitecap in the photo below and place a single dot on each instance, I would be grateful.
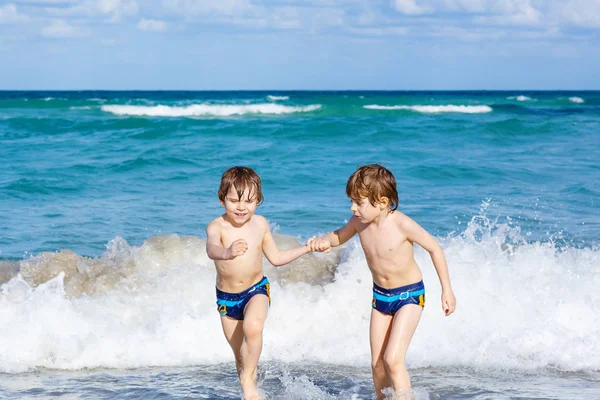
(435, 109)
(202, 110)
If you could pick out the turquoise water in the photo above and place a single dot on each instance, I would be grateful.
(106, 290)
(83, 167)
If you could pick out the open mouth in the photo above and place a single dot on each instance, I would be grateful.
(240, 214)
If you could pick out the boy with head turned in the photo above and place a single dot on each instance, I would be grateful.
(236, 242)
(387, 237)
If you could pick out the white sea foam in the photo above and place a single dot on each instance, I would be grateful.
(519, 98)
(204, 110)
(435, 109)
(276, 98)
(519, 308)
(577, 100)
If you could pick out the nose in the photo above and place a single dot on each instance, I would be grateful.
(353, 207)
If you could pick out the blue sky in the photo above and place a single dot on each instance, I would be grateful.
(303, 44)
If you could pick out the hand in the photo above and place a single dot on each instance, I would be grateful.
(316, 244)
(236, 249)
(448, 301)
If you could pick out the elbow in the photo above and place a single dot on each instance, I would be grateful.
(436, 252)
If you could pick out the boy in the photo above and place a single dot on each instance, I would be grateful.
(236, 242)
(387, 238)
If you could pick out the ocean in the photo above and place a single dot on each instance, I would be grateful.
(106, 290)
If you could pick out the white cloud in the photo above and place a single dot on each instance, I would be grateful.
(384, 31)
(526, 15)
(206, 7)
(112, 10)
(9, 14)
(151, 25)
(61, 29)
(584, 13)
(410, 7)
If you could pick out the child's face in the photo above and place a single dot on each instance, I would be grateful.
(240, 209)
(365, 211)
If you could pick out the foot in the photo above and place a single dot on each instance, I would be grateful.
(249, 388)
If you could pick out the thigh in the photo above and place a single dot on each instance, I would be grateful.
(257, 308)
(232, 328)
(404, 325)
(379, 332)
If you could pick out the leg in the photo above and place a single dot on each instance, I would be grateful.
(379, 334)
(232, 328)
(403, 327)
(254, 321)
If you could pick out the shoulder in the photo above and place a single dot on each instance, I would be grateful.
(402, 220)
(354, 221)
(260, 222)
(215, 225)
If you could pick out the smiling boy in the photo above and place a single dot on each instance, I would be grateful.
(387, 237)
(236, 242)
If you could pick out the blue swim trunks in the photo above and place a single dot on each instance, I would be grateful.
(233, 304)
(389, 301)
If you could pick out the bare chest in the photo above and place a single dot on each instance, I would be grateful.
(383, 243)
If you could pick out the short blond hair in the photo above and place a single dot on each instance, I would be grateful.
(241, 178)
(373, 182)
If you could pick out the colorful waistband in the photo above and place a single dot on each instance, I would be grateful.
(401, 293)
(232, 299)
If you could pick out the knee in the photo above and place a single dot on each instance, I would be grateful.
(378, 365)
(253, 328)
(393, 363)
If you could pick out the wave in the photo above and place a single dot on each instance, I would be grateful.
(577, 100)
(276, 98)
(519, 98)
(200, 110)
(521, 306)
(435, 109)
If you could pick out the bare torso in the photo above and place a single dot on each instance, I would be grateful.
(237, 275)
(389, 253)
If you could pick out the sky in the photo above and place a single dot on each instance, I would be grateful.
(300, 45)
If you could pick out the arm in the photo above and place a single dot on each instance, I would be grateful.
(214, 248)
(280, 257)
(342, 235)
(416, 234)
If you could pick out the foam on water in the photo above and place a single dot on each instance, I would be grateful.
(577, 100)
(519, 98)
(201, 110)
(435, 109)
(276, 98)
(520, 306)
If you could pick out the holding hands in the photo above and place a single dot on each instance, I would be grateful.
(318, 244)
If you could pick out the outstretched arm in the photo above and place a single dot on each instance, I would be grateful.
(215, 249)
(280, 257)
(335, 238)
(416, 234)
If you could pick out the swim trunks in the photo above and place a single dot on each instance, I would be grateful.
(389, 301)
(233, 304)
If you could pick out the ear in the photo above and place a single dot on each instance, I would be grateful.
(222, 203)
(383, 202)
